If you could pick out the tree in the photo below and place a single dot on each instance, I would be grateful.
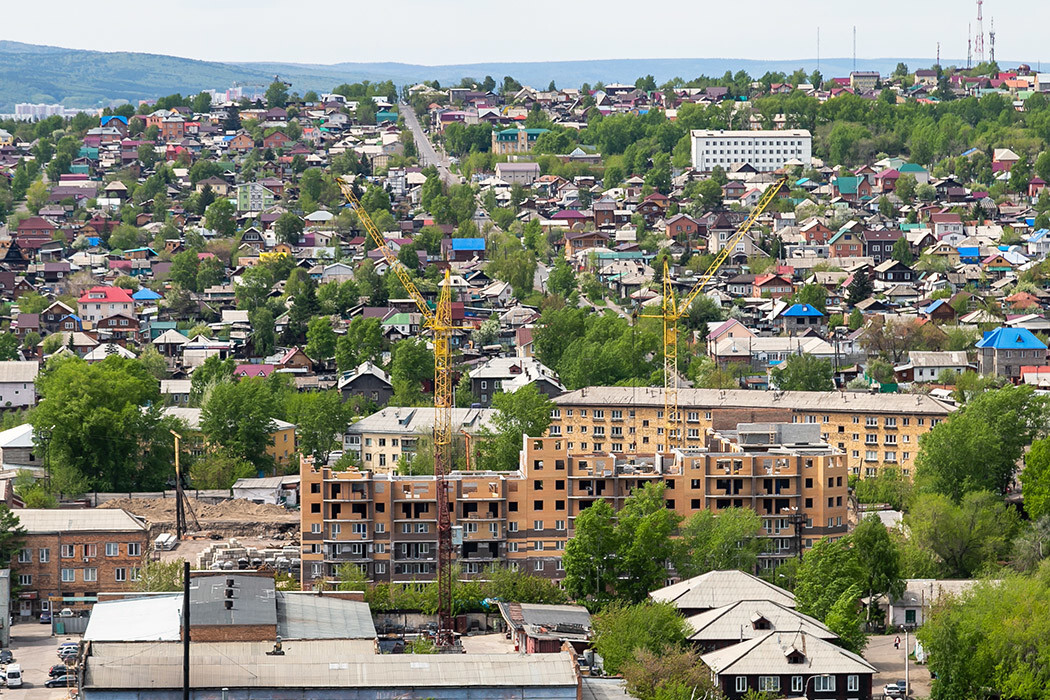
(562, 278)
(816, 295)
(621, 630)
(219, 469)
(411, 363)
(525, 412)
(264, 339)
(878, 559)
(859, 289)
(320, 339)
(9, 345)
(732, 539)
(708, 194)
(12, 535)
(803, 372)
(211, 372)
(276, 94)
(320, 418)
(902, 251)
(125, 237)
(589, 561)
(363, 341)
(1035, 479)
(828, 570)
(105, 424)
(886, 207)
(220, 217)
(289, 228)
(963, 538)
(905, 188)
(36, 195)
(978, 447)
(671, 674)
(153, 362)
(183, 271)
(644, 527)
(238, 416)
(157, 576)
(846, 619)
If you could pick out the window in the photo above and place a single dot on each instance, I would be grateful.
(112, 549)
(68, 575)
(315, 528)
(91, 574)
(769, 684)
(796, 684)
(824, 684)
(741, 684)
(121, 574)
(68, 551)
(25, 556)
(559, 524)
(537, 524)
(853, 683)
(134, 549)
(422, 528)
(512, 546)
(537, 566)
(25, 580)
(45, 555)
(512, 527)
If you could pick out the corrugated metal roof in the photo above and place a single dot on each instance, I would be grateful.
(768, 655)
(16, 371)
(400, 420)
(308, 616)
(315, 664)
(738, 621)
(37, 521)
(718, 588)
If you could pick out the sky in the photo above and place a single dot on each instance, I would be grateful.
(439, 32)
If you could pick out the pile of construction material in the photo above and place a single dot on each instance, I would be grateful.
(232, 555)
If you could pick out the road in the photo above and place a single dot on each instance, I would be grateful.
(427, 154)
(34, 650)
(890, 664)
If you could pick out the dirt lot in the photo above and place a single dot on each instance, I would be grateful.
(231, 518)
(890, 662)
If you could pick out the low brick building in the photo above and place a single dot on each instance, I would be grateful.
(75, 553)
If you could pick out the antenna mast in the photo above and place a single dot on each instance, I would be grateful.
(969, 47)
(854, 48)
(818, 49)
(980, 31)
(991, 42)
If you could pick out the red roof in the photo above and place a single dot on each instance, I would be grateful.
(107, 295)
(253, 371)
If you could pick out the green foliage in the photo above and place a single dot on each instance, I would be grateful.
(362, 341)
(1035, 479)
(525, 412)
(160, 576)
(220, 217)
(803, 373)
(288, 228)
(859, 289)
(219, 469)
(828, 570)
(888, 486)
(238, 416)
(621, 630)
(320, 418)
(816, 295)
(411, 363)
(12, 535)
(671, 674)
(964, 538)
(320, 339)
(106, 429)
(211, 372)
(732, 539)
(977, 448)
(879, 560)
(902, 251)
(846, 619)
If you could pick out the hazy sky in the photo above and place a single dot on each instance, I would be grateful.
(468, 31)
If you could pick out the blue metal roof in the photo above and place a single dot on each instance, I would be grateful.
(146, 294)
(803, 310)
(938, 303)
(969, 251)
(1004, 338)
(468, 244)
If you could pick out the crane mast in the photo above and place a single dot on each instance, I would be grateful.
(671, 311)
(439, 321)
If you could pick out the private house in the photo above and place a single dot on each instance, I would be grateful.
(716, 589)
(879, 244)
(508, 374)
(747, 619)
(254, 196)
(790, 664)
(514, 140)
(893, 271)
(98, 303)
(926, 366)
(367, 381)
(847, 243)
(801, 317)
(17, 389)
(771, 285)
(518, 173)
(681, 227)
(1005, 350)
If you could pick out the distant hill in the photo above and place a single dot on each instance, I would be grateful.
(34, 73)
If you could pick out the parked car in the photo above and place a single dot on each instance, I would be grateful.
(6, 656)
(57, 670)
(60, 681)
(893, 690)
(902, 687)
(45, 617)
(14, 676)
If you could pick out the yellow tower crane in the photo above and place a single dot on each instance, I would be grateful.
(439, 321)
(671, 310)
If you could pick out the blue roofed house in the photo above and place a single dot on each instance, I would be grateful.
(1004, 351)
(1038, 243)
(464, 249)
(801, 317)
(969, 255)
(146, 295)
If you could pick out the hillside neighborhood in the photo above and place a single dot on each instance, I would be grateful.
(735, 387)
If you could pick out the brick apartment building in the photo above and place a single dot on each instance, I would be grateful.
(872, 430)
(75, 553)
(387, 524)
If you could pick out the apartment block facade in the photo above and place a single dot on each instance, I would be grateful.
(872, 430)
(387, 524)
(762, 150)
(76, 553)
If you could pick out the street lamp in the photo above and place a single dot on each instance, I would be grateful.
(810, 679)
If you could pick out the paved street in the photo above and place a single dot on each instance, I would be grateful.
(427, 154)
(34, 649)
(890, 662)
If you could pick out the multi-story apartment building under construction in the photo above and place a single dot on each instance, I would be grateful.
(387, 524)
(872, 430)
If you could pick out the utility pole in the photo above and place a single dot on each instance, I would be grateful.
(185, 630)
(180, 513)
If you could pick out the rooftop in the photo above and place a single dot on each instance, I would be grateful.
(39, 521)
(719, 588)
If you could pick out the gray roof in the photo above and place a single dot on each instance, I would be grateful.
(536, 614)
(402, 421)
(317, 664)
(254, 601)
(816, 401)
(16, 371)
(309, 616)
(718, 588)
(946, 358)
(768, 655)
(44, 520)
(738, 621)
(176, 386)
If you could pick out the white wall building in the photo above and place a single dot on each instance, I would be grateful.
(763, 150)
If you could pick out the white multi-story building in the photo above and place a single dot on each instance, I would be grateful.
(762, 150)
